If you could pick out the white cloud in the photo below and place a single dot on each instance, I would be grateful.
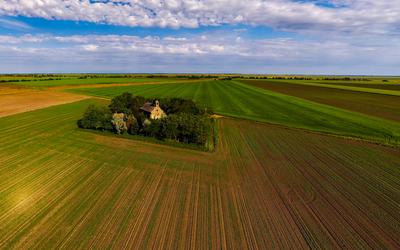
(114, 53)
(356, 16)
(90, 47)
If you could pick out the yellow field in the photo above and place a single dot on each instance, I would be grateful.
(17, 100)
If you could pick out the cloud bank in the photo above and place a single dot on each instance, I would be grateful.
(326, 36)
(351, 16)
(200, 53)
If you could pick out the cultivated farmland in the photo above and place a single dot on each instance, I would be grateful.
(236, 99)
(76, 81)
(265, 187)
(384, 106)
(16, 100)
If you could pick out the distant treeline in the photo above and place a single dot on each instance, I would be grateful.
(123, 76)
(36, 75)
(185, 122)
(196, 76)
(31, 80)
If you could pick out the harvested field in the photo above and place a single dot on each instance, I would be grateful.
(265, 187)
(17, 100)
(384, 106)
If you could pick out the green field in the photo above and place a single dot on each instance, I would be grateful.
(232, 98)
(77, 81)
(265, 187)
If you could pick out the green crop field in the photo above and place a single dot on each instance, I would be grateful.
(31, 82)
(265, 186)
(232, 98)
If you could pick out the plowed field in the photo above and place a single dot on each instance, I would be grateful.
(384, 106)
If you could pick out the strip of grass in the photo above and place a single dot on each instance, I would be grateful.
(236, 99)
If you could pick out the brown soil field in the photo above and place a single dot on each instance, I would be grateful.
(384, 106)
(265, 187)
(386, 86)
(15, 100)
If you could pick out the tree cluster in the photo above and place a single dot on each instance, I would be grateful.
(186, 122)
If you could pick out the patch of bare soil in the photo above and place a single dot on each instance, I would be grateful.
(18, 100)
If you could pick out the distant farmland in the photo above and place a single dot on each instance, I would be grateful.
(236, 99)
(384, 106)
(71, 81)
(265, 187)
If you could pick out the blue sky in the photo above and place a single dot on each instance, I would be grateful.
(202, 36)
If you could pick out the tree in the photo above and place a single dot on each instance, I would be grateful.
(135, 105)
(179, 105)
(132, 125)
(121, 103)
(186, 122)
(118, 121)
(96, 117)
(170, 127)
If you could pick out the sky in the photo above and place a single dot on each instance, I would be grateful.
(341, 37)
